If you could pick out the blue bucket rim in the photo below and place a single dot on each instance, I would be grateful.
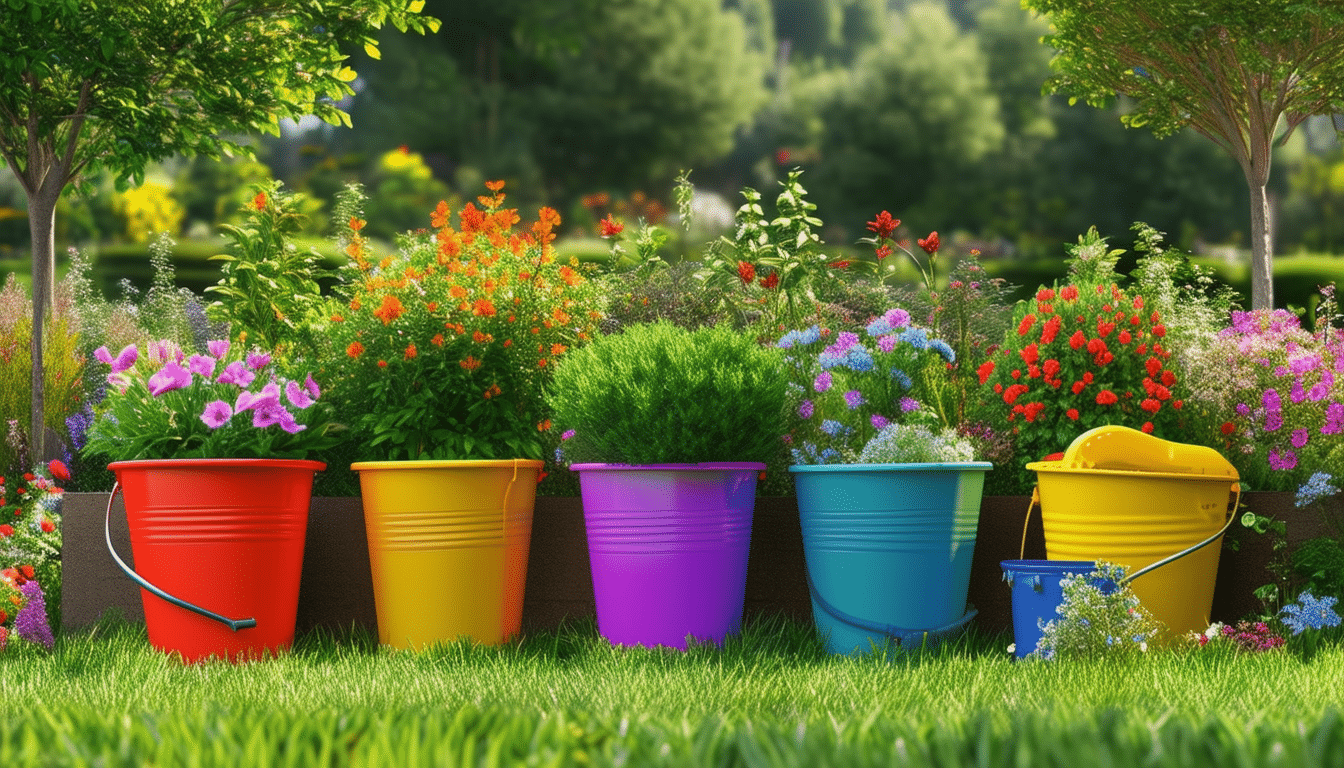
(944, 466)
(1047, 566)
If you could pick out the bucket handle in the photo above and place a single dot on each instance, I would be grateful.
(1236, 504)
(234, 624)
(903, 637)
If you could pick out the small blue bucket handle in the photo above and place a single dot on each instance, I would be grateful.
(903, 637)
(233, 624)
(1236, 504)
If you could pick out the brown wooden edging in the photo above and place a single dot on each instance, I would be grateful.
(337, 590)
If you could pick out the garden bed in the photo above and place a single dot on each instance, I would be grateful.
(568, 698)
(337, 590)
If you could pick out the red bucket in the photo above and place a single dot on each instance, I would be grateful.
(218, 549)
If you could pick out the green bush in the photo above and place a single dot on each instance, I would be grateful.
(659, 394)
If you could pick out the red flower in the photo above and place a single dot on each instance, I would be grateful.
(930, 244)
(1125, 338)
(1096, 346)
(1153, 365)
(259, 202)
(1159, 330)
(47, 526)
(841, 264)
(1104, 329)
(984, 371)
(885, 251)
(611, 227)
(770, 281)
(1138, 302)
(1045, 294)
(1051, 367)
(1150, 405)
(1011, 394)
(1030, 354)
(1077, 387)
(1087, 377)
(884, 225)
(27, 571)
(1147, 427)
(1077, 340)
(1106, 397)
(1032, 410)
(1072, 413)
(1069, 293)
(1168, 378)
(6, 530)
(1050, 329)
(1025, 325)
(746, 271)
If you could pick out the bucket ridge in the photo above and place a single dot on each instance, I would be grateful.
(455, 529)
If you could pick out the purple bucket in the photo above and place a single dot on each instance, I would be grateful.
(668, 548)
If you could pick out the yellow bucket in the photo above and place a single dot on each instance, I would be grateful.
(1152, 505)
(448, 543)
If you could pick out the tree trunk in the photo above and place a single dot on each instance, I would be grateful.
(42, 228)
(1262, 250)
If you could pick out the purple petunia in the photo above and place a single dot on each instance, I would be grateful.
(1334, 419)
(216, 414)
(219, 347)
(201, 365)
(236, 373)
(258, 360)
(297, 396)
(171, 376)
(567, 434)
(878, 421)
(1271, 400)
(311, 387)
(909, 404)
(886, 343)
(124, 359)
(1273, 421)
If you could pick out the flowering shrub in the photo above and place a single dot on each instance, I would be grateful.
(846, 389)
(442, 349)
(1307, 619)
(1078, 356)
(1245, 636)
(916, 444)
(1100, 615)
(223, 404)
(23, 608)
(1275, 393)
(30, 542)
(659, 394)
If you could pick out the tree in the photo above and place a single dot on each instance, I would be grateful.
(116, 84)
(1237, 72)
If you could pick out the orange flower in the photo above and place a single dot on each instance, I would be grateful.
(390, 310)
(259, 202)
(558, 349)
(439, 218)
(483, 307)
(355, 349)
(480, 338)
(382, 363)
(494, 186)
(437, 340)
(570, 277)
(410, 352)
(356, 223)
(508, 343)
(541, 363)
(337, 319)
(470, 363)
(543, 426)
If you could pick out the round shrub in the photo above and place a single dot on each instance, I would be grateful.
(659, 394)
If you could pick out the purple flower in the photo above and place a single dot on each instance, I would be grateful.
(125, 358)
(806, 409)
(567, 434)
(219, 348)
(878, 421)
(1334, 419)
(1297, 394)
(1273, 420)
(897, 318)
(171, 376)
(1318, 391)
(288, 423)
(236, 373)
(31, 623)
(201, 365)
(1286, 460)
(216, 414)
(1271, 400)
(297, 397)
(853, 398)
(311, 387)
(909, 404)
(1243, 409)
(266, 414)
(886, 343)
(246, 400)
(1300, 437)
(1301, 365)
(822, 382)
(258, 360)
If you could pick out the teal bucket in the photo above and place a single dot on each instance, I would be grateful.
(1037, 595)
(888, 550)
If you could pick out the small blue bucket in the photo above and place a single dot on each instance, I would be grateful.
(889, 550)
(1036, 595)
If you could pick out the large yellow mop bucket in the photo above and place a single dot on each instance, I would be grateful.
(1152, 505)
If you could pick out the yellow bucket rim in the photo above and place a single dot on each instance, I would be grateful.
(1062, 468)
(360, 466)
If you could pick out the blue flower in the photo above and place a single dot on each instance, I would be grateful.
(941, 347)
(855, 358)
(915, 337)
(787, 340)
(879, 326)
(1311, 613)
(902, 378)
(832, 427)
(1317, 487)
(828, 455)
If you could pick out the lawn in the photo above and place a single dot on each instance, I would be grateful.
(772, 697)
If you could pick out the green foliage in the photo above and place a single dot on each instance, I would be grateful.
(1320, 563)
(269, 288)
(403, 189)
(659, 394)
(916, 444)
(62, 372)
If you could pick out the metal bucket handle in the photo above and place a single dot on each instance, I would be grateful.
(234, 624)
(903, 637)
(1236, 504)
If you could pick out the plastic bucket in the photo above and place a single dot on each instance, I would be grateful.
(1036, 594)
(1168, 503)
(448, 543)
(888, 549)
(218, 549)
(668, 547)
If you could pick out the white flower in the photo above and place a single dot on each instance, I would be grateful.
(1012, 647)
(1215, 629)
(1143, 646)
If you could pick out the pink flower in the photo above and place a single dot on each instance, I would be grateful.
(311, 387)
(1286, 460)
(822, 382)
(1300, 438)
(236, 373)
(171, 376)
(124, 359)
(216, 414)
(297, 397)
(219, 347)
(258, 360)
(878, 421)
(201, 365)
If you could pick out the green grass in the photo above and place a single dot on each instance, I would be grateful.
(567, 698)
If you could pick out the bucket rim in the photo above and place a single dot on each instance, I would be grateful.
(939, 466)
(316, 466)
(754, 466)
(1046, 566)
(1058, 467)
(361, 466)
